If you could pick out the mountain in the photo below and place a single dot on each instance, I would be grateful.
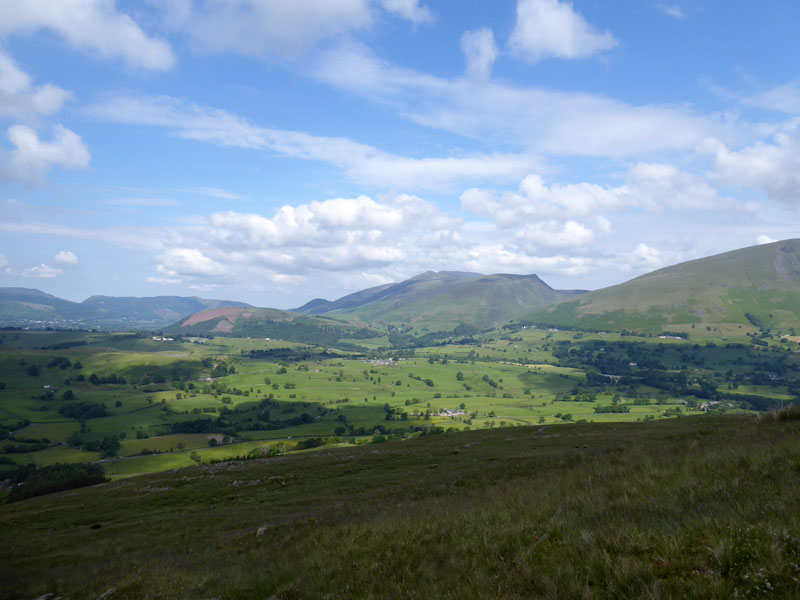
(26, 307)
(24, 304)
(271, 323)
(166, 309)
(759, 285)
(443, 300)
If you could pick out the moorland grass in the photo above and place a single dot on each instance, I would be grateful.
(696, 507)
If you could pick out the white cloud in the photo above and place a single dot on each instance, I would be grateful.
(644, 258)
(652, 186)
(773, 168)
(216, 193)
(408, 9)
(500, 258)
(536, 200)
(671, 10)
(538, 119)
(42, 272)
(276, 28)
(765, 239)
(331, 241)
(32, 157)
(18, 97)
(142, 202)
(657, 185)
(553, 28)
(126, 237)
(92, 25)
(783, 98)
(5, 266)
(66, 257)
(362, 163)
(389, 239)
(480, 51)
(552, 234)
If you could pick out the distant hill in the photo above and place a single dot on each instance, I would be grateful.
(443, 300)
(271, 323)
(31, 307)
(759, 286)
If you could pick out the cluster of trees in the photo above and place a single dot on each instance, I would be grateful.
(83, 410)
(30, 481)
(613, 408)
(404, 339)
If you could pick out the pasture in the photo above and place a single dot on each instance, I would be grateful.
(145, 405)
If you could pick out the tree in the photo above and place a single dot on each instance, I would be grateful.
(459, 376)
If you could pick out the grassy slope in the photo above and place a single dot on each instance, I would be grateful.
(695, 507)
(270, 322)
(437, 301)
(761, 280)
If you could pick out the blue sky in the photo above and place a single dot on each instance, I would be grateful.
(273, 152)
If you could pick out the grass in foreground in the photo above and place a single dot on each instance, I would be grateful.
(700, 507)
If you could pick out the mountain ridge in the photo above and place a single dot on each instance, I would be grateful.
(755, 285)
(27, 306)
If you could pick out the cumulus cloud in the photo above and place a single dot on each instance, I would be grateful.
(33, 157)
(765, 239)
(552, 28)
(536, 200)
(773, 168)
(480, 51)
(66, 257)
(643, 258)
(358, 235)
(42, 272)
(372, 240)
(653, 186)
(5, 266)
(363, 163)
(19, 97)
(95, 26)
(553, 234)
(658, 185)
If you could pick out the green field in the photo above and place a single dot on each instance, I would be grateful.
(76, 397)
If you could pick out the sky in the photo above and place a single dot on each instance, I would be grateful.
(273, 152)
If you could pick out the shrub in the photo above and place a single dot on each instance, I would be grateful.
(787, 413)
(33, 481)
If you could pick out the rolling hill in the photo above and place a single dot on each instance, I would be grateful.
(758, 286)
(271, 323)
(443, 300)
(26, 307)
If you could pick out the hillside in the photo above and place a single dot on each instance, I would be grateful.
(23, 304)
(444, 300)
(270, 323)
(595, 511)
(26, 307)
(757, 286)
